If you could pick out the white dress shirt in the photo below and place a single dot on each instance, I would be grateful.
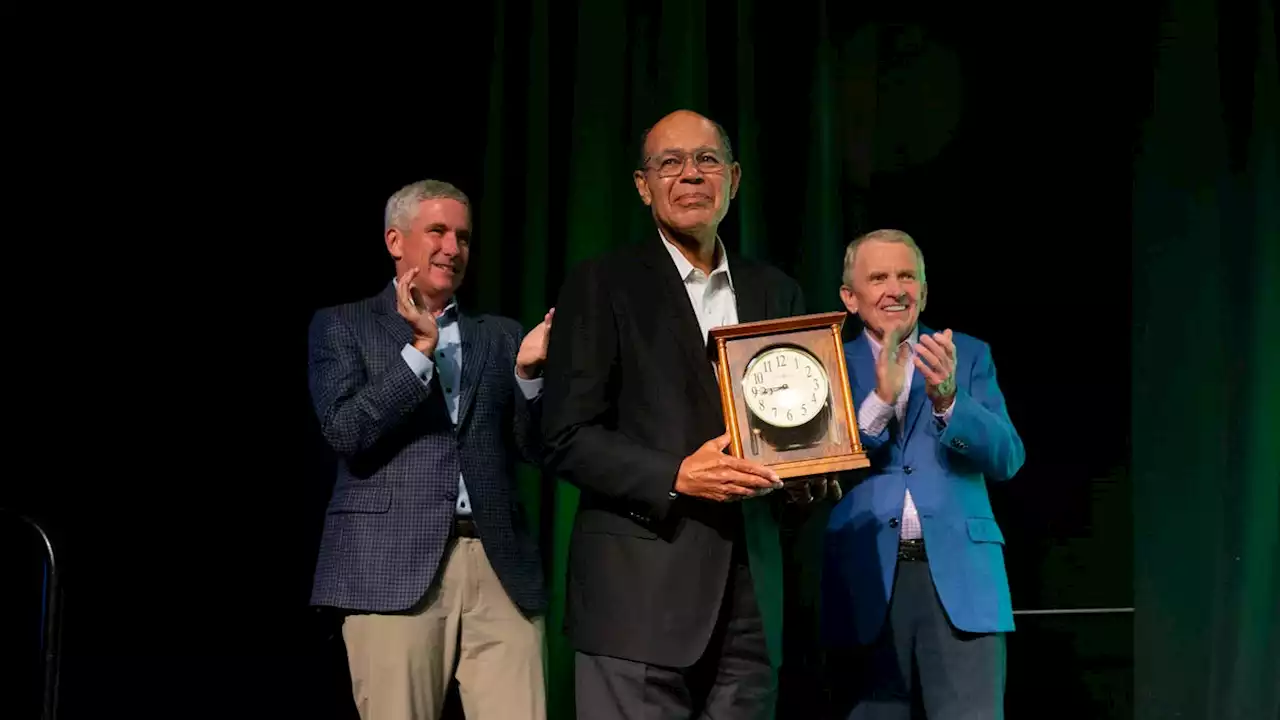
(874, 415)
(712, 296)
(448, 361)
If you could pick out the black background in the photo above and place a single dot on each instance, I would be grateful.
(175, 226)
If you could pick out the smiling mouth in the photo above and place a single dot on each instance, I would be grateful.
(693, 199)
(444, 267)
(894, 308)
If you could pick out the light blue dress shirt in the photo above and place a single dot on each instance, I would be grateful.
(448, 362)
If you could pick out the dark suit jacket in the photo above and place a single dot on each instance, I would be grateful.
(630, 392)
(392, 509)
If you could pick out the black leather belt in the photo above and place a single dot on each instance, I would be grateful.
(464, 527)
(912, 550)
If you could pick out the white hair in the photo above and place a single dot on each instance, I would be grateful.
(887, 235)
(403, 206)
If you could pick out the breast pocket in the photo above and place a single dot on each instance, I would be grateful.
(361, 499)
(984, 530)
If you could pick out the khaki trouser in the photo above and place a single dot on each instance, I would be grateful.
(401, 664)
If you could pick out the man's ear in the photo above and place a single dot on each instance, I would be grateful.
(924, 295)
(735, 176)
(642, 187)
(395, 243)
(849, 299)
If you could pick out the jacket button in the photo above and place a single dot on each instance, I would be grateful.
(893, 522)
(907, 469)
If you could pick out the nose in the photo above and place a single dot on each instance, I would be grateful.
(449, 244)
(689, 171)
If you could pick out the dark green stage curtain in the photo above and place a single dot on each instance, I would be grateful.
(1206, 382)
(841, 127)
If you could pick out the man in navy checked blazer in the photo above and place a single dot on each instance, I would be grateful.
(425, 547)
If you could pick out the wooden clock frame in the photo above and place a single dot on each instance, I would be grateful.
(734, 346)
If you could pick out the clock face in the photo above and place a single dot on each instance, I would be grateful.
(785, 386)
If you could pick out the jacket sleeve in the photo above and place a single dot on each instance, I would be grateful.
(583, 445)
(980, 427)
(526, 430)
(355, 410)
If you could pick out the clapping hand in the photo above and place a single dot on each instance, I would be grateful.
(936, 357)
(533, 349)
(413, 309)
(891, 366)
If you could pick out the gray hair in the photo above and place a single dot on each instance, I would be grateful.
(403, 206)
(887, 235)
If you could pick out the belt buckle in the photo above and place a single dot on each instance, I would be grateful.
(911, 550)
(464, 527)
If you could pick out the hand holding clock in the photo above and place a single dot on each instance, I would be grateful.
(711, 474)
(814, 488)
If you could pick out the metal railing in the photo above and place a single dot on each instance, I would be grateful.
(1076, 611)
(49, 618)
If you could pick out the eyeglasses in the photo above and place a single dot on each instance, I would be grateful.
(673, 164)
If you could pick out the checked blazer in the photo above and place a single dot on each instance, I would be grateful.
(389, 519)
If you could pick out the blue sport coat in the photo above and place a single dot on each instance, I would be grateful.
(946, 469)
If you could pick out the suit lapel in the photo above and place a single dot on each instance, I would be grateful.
(475, 353)
(683, 323)
(753, 305)
(475, 345)
(390, 320)
(862, 365)
(917, 398)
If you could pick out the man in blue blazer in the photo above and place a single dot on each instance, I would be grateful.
(913, 557)
(425, 548)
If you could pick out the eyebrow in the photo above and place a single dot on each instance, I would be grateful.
(676, 151)
(443, 227)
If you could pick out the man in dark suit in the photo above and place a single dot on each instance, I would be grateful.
(914, 565)
(425, 546)
(675, 578)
